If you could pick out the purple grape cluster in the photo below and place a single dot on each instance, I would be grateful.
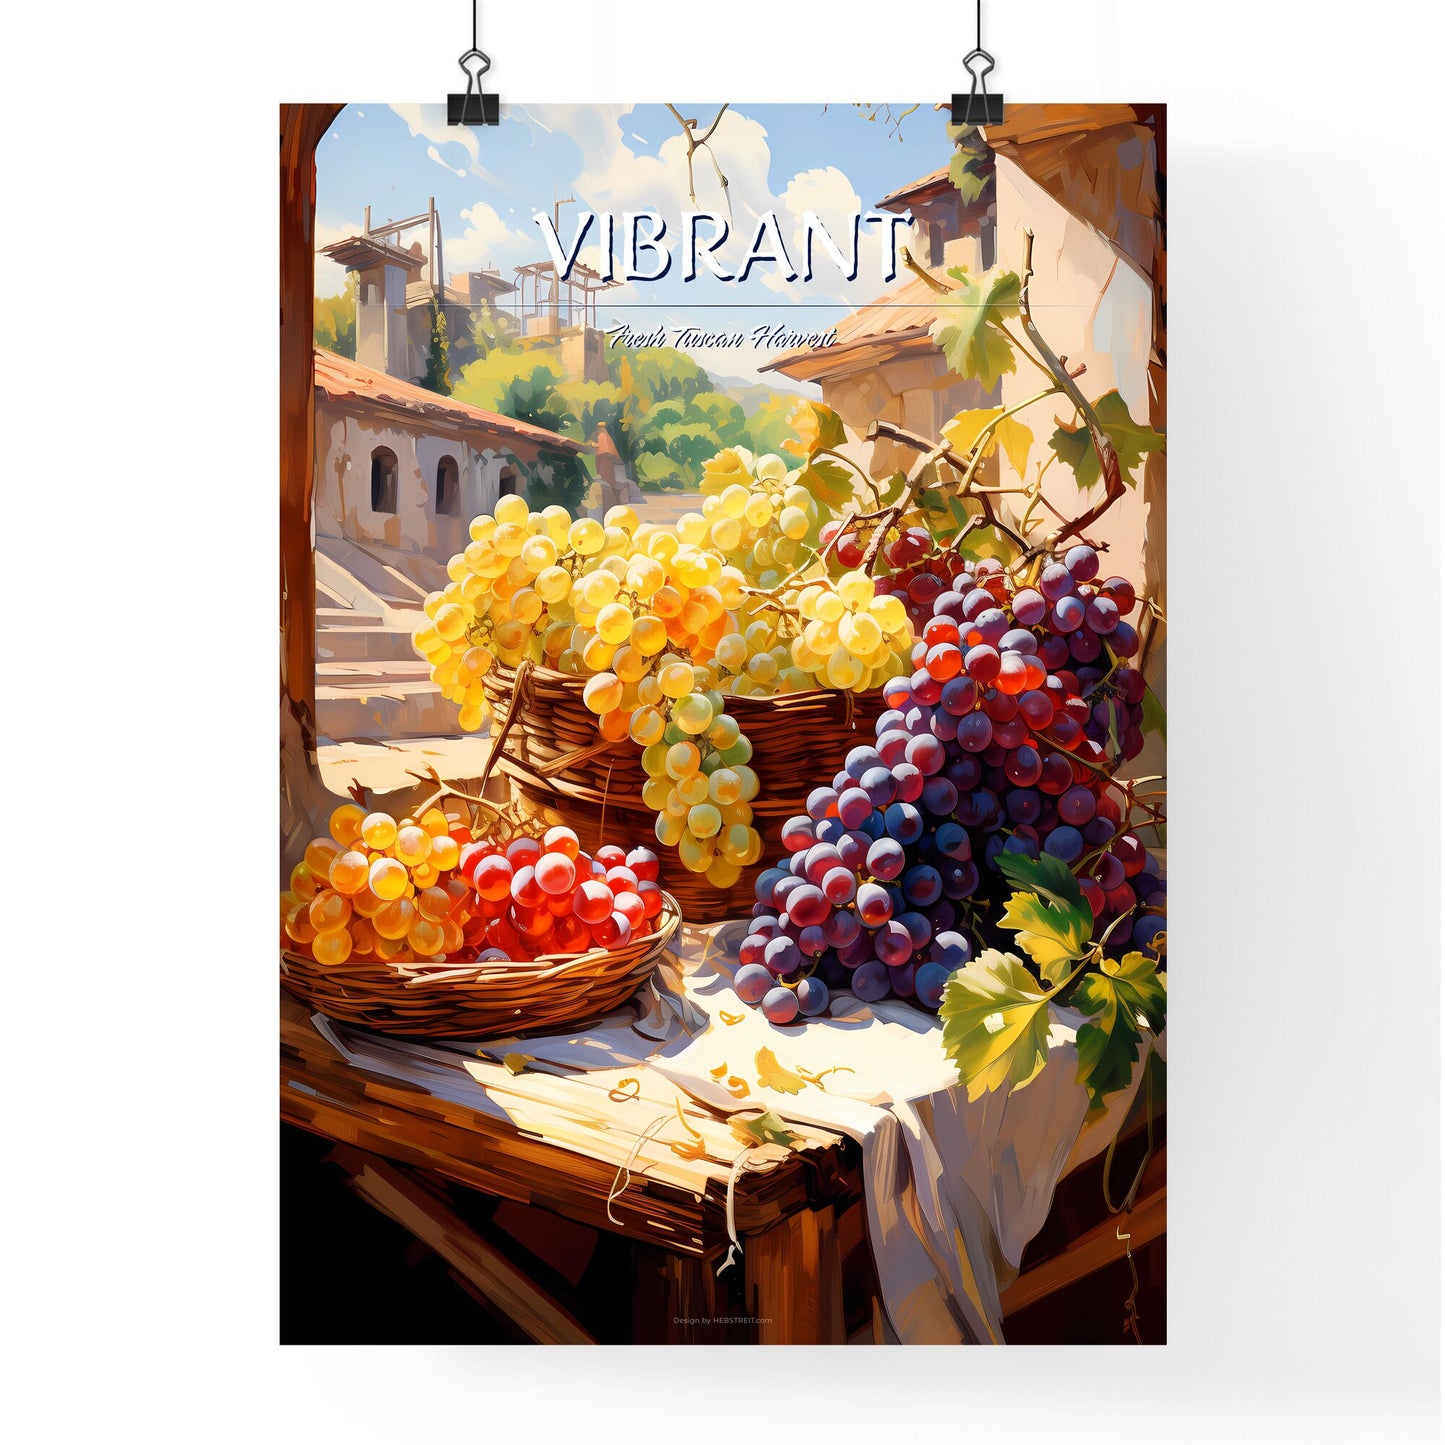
(998, 741)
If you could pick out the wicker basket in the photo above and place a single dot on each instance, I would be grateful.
(478, 1000)
(548, 746)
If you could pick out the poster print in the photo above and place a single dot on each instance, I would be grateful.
(723, 723)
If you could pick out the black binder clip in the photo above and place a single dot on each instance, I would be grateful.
(474, 106)
(978, 107)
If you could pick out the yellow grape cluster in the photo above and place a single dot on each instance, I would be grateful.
(379, 887)
(665, 623)
(756, 514)
(698, 779)
(851, 640)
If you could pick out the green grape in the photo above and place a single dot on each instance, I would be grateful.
(724, 785)
(793, 522)
(726, 533)
(860, 633)
(733, 500)
(676, 679)
(694, 790)
(654, 760)
(749, 780)
(669, 830)
(740, 752)
(722, 873)
(614, 622)
(731, 651)
(703, 820)
(724, 731)
(655, 793)
(761, 667)
(674, 805)
(646, 726)
(683, 760)
(586, 536)
(693, 713)
(695, 853)
(759, 509)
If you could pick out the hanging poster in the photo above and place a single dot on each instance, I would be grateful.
(723, 724)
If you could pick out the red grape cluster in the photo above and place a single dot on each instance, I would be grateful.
(545, 896)
(998, 741)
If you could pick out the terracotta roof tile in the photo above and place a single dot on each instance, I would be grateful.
(342, 379)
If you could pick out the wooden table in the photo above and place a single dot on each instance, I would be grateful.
(550, 1169)
(801, 1223)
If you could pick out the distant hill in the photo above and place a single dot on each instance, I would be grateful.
(752, 394)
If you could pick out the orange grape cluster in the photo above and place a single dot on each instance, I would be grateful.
(380, 887)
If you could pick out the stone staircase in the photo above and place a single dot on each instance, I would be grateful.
(369, 682)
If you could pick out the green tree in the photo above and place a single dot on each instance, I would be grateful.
(524, 385)
(769, 426)
(722, 413)
(334, 327)
(437, 377)
(659, 373)
(590, 404)
(487, 330)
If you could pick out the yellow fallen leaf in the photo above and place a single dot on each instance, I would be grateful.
(730, 1018)
(718, 1072)
(737, 1087)
(772, 1075)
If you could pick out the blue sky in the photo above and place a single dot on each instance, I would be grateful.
(488, 184)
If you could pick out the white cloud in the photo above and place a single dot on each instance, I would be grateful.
(330, 279)
(430, 122)
(487, 240)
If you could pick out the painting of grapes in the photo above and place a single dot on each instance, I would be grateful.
(723, 725)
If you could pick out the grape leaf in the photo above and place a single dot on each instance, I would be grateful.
(767, 1128)
(1074, 446)
(890, 491)
(1117, 1000)
(995, 1024)
(1155, 720)
(772, 1075)
(1046, 875)
(1053, 937)
(969, 174)
(830, 482)
(966, 330)
(963, 431)
(819, 429)
(722, 471)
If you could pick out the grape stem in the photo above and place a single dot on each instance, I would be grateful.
(887, 431)
(1108, 459)
(890, 518)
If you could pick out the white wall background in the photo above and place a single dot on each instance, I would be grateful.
(1304, 248)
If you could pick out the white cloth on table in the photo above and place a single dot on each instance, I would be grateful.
(954, 1190)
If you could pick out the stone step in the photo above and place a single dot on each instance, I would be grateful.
(374, 644)
(347, 617)
(379, 672)
(370, 707)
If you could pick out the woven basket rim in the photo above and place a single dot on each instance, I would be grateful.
(544, 966)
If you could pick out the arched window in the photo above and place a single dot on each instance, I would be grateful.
(507, 482)
(383, 480)
(448, 495)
